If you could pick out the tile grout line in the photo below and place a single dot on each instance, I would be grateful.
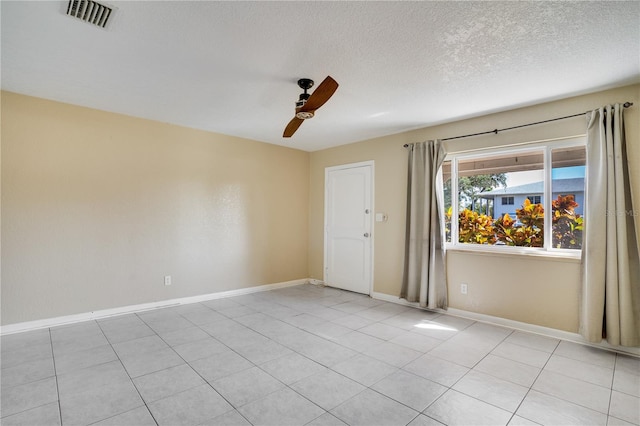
(255, 365)
(450, 388)
(534, 381)
(357, 353)
(613, 378)
(401, 369)
(186, 363)
(55, 375)
(610, 388)
(130, 379)
(196, 371)
(472, 369)
(266, 372)
(319, 363)
(234, 351)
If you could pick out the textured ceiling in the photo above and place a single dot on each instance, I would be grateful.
(232, 67)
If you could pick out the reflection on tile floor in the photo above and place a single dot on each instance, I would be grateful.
(308, 355)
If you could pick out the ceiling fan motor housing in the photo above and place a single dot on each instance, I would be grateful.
(305, 83)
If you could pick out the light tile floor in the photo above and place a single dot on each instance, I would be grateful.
(308, 355)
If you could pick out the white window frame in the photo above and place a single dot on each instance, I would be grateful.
(546, 146)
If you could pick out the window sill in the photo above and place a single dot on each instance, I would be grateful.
(572, 256)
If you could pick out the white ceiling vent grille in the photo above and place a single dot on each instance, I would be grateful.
(90, 11)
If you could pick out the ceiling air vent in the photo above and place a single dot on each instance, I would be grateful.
(90, 11)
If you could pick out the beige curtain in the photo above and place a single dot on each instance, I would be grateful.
(610, 305)
(424, 279)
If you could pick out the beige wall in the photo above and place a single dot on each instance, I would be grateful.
(533, 290)
(97, 208)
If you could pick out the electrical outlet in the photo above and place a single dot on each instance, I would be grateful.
(167, 280)
(463, 288)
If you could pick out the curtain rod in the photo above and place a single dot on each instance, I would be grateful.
(495, 131)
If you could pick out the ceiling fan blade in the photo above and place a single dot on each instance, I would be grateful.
(323, 92)
(292, 127)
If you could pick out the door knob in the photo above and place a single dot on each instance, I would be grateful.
(366, 235)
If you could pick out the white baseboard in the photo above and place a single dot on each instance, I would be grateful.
(105, 313)
(522, 326)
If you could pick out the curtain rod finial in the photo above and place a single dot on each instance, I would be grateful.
(627, 104)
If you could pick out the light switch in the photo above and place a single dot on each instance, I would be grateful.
(381, 217)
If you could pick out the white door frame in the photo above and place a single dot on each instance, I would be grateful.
(327, 170)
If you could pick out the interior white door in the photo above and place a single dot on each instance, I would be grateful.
(348, 225)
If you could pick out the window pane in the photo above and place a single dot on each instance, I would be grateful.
(494, 199)
(507, 201)
(567, 198)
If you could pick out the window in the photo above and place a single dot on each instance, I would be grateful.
(500, 197)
